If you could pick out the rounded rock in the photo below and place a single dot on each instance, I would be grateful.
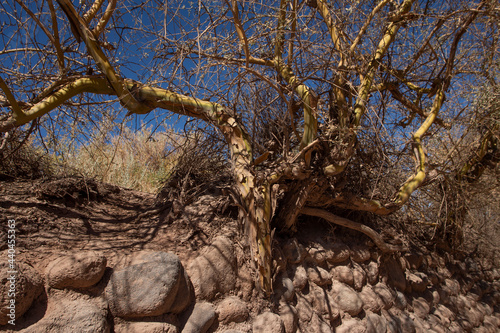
(347, 299)
(343, 274)
(26, 283)
(268, 322)
(78, 270)
(232, 309)
(149, 288)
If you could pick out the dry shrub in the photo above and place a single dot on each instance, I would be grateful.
(19, 158)
(200, 168)
(138, 160)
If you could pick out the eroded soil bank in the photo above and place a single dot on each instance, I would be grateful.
(99, 258)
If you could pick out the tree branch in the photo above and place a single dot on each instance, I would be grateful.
(126, 98)
(90, 14)
(366, 24)
(239, 28)
(105, 18)
(18, 113)
(383, 46)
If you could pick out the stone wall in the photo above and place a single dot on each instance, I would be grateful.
(318, 288)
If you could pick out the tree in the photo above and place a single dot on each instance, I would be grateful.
(322, 104)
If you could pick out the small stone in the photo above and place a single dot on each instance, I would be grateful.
(343, 274)
(351, 326)
(268, 322)
(200, 319)
(144, 327)
(445, 315)
(397, 278)
(319, 275)
(418, 281)
(386, 295)
(72, 315)
(443, 273)
(375, 323)
(232, 309)
(300, 278)
(289, 317)
(294, 252)
(399, 321)
(339, 252)
(415, 260)
(214, 271)
(400, 301)
(371, 301)
(360, 253)
(323, 303)
(453, 286)
(317, 253)
(288, 289)
(318, 325)
(304, 309)
(420, 307)
(371, 270)
(359, 276)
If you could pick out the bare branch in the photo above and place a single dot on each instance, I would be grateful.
(57, 43)
(239, 28)
(367, 23)
(90, 14)
(385, 42)
(126, 99)
(105, 18)
(18, 113)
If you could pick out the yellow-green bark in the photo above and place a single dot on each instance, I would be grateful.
(418, 178)
(383, 46)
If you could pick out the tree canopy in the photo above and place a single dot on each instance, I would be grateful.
(323, 105)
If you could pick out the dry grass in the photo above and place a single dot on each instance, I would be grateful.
(139, 160)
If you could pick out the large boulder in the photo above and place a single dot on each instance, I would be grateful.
(72, 315)
(154, 284)
(214, 271)
(78, 270)
(20, 285)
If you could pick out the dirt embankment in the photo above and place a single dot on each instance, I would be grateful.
(99, 258)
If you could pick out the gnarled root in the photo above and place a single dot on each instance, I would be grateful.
(377, 239)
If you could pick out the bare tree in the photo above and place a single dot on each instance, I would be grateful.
(322, 104)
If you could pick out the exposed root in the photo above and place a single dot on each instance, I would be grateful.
(377, 239)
